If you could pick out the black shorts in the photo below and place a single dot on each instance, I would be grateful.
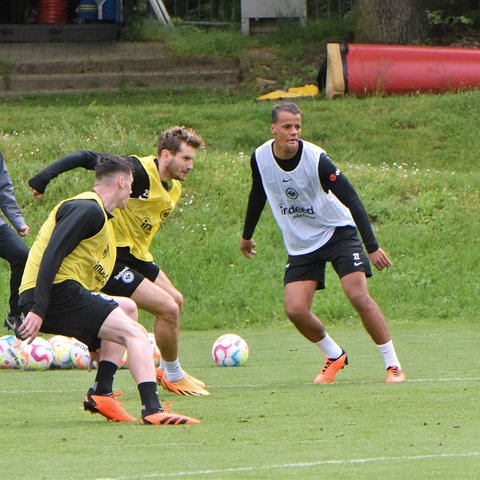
(128, 273)
(344, 251)
(73, 311)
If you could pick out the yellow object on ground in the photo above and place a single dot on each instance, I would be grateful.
(309, 90)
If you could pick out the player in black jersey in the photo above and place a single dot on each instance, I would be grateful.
(156, 190)
(68, 264)
(319, 214)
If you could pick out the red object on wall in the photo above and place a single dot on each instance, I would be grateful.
(52, 11)
(364, 69)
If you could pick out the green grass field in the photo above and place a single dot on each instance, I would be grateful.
(266, 420)
(413, 160)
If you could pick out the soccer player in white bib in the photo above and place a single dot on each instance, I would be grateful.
(320, 216)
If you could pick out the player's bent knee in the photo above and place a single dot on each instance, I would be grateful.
(360, 301)
(170, 312)
(128, 306)
(179, 300)
(296, 313)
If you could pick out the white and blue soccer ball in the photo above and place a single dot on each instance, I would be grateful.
(230, 350)
(37, 355)
(80, 355)
(10, 352)
(62, 349)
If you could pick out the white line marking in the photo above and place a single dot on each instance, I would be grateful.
(415, 380)
(295, 465)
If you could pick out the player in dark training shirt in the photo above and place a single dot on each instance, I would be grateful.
(68, 264)
(156, 190)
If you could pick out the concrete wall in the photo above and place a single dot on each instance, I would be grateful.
(256, 11)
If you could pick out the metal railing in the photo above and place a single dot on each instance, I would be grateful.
(230, 10)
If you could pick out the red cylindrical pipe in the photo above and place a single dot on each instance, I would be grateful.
(370, 69)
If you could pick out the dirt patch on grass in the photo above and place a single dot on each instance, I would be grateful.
(269, 68)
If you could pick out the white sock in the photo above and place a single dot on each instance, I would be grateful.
(173, 370)
(331, 349)
(389, 356)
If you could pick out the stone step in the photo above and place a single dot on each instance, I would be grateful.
(64, 67)
(84, 33)
(97, 65)
(107, 81)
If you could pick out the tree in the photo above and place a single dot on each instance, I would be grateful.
(390, 21)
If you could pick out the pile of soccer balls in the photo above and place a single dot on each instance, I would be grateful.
(60, 352)
(57, 352)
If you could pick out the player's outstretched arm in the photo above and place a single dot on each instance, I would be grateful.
(81, 159)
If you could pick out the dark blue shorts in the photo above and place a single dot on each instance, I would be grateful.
(344, 251)
(73, 311)
(128, 273)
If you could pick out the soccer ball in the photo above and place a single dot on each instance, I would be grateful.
(155, 349)
(62, 349)
(9, 352)
(37, 355)
(80, 355)
(230, 350)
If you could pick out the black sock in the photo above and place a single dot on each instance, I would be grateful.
(149, 397)
(105, 375)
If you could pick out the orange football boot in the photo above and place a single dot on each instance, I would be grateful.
(395, 375)
(331, 367)
(107, 405)
(166, 417)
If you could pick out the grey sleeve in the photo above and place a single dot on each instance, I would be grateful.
(8, 203)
